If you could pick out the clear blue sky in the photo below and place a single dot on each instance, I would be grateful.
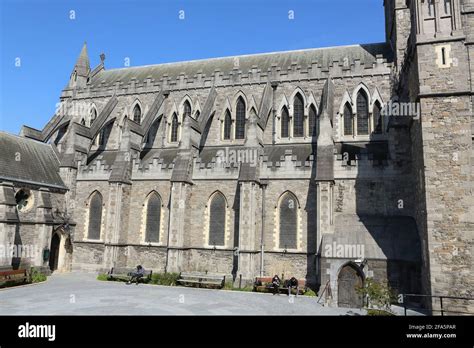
(41, 34)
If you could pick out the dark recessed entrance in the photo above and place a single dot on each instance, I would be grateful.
(54, 253)
(348, 281)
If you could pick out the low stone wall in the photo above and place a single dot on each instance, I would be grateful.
(150, 257)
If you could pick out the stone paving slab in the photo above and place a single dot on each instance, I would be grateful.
(82, 294)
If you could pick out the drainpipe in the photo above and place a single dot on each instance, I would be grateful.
(262, 244)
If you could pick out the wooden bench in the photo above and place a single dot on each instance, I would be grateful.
(265, 284)
(200, 279)
(121, 273)
(13, 276)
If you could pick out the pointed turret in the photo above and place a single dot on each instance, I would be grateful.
(81, 70)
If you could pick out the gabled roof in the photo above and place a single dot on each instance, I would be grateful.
(367, 54)
(29, 161)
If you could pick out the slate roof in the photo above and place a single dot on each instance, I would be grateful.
(367, 54)
(37, 164)
(394, 238)
(277, 153)
(274, 153)
(166, 155)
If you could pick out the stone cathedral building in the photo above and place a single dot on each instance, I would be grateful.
(332, 164)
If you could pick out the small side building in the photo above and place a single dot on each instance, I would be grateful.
(35, 228)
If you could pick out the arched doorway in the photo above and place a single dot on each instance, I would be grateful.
(54, 252)
(349, 279)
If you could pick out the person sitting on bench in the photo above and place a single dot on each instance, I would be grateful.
(276, 284)
(137, 275)
(292, 284)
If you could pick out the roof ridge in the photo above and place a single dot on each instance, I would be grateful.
(243, 56)
(24, 138)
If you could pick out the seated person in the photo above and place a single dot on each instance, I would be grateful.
(292, 284)
(276, 284)
(137, 275)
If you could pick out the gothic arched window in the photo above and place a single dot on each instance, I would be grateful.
(104, 134)
(431, 8)
(174, 128)
(362, 114)
(95, 216)
(186, 109)
(313, 122)
(447, 7)
(227, 125)
(348, 127)
(153, 219)
(288, 218)
(240, 119)
(217, 213)
(137, 114)
(285, 122)
(93, 116)
(377, 115)
(60, 135)
(298, 116)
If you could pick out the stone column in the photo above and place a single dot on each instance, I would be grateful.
(180, 193)
(249, 233)
(116, 224)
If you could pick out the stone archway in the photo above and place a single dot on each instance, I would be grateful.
(349, 279)
(54, 252)
(60, 252)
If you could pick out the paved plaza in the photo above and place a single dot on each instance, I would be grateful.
(82, 294)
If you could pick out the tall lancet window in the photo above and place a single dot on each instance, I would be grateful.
(288, 221)
(174, 128)
(93, 116)
(227, 125)
(240, 119)
(186, 109)
(217, 214)
(431, 8)
(313, 122)
(104, 134)
(137, 114)
(377, 115)
(298, 116)
(153, 219)
(348, 125)
(285, 122)
(447, 7)
(362, 114)
(95, 216)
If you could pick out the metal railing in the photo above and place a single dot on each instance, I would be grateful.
(442, 309)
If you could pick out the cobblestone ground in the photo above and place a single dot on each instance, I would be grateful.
(82, 294)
